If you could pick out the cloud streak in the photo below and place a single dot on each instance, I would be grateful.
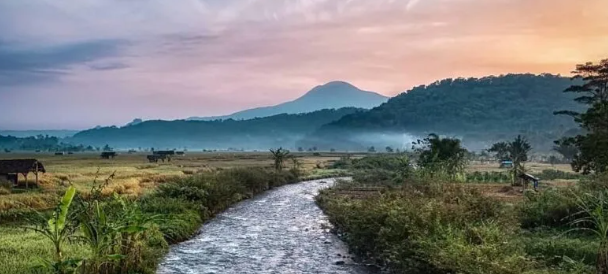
(157, 59)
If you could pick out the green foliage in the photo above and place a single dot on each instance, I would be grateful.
(552, 247)
(549, 208)
(593, 217)
(381, 169)
(489, 177)
(516, 151)
(553, 174)
(501, 150)
(58, 228)
(429, 229)
(279, 155)
(441, 156)
(218, 134)
(566, 148)
(593, 143)
(474, 108)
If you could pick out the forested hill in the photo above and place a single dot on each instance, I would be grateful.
(260, 133)
(477, 109)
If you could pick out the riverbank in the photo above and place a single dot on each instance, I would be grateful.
(278, 231)
(181, 204)
(442, 227)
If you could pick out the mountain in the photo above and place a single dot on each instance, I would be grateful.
(478, 110)
(333, 95)
(32, 133)
(259, 133)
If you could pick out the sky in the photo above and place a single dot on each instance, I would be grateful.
(67, 64)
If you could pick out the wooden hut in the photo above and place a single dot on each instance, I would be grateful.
(10, 169)
(108, 155)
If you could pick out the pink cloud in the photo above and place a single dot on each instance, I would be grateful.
(202, 58)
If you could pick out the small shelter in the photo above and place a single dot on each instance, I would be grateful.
(529, 178)
(108, 155)
(154, 158)
(10, 169)
(164, 154)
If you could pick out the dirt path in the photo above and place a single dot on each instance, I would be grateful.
(281, 231)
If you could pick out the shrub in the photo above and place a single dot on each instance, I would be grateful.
(429, 229)
(550, 208)
(552, 174)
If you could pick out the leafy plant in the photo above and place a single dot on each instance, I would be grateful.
(58, 228)
(279, 155)
(593, 217)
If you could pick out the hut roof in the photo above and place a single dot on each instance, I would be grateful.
(165, 152)
(528, 176)
(20, 166)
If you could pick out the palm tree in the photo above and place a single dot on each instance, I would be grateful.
(518, 153)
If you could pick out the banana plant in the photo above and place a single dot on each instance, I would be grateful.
(58, 228)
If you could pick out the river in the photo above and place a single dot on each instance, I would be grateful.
(280, 231)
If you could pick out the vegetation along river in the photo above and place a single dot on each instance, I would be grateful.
(280, 231)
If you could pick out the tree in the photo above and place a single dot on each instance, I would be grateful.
(593, 143)
(501, 150)
(566, 149)
(371, 149)
(515, 151)
(107, 148)
(279, 156)
(518, 154)
(441, 155)
(389, 149)
(553, 160)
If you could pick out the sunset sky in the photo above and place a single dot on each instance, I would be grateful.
(80, 63)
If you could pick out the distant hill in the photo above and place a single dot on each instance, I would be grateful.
(33, 133)
(479, 110)
(259, 133)
(333, 95)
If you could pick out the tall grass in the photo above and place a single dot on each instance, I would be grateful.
(126, 234)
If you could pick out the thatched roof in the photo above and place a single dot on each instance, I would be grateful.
(20, 166)
(164, 152)
(528, 177)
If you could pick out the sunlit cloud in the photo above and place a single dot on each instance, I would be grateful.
(159, 59)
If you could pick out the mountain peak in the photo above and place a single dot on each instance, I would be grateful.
(332, 95)
(334, 86)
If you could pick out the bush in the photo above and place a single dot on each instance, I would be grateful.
(550, 208)
(428, 229)
(552, 246)
(552, 174)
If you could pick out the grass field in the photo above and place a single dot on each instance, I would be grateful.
(135, 176)
(20, 250)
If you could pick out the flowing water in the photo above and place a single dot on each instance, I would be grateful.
(280, 231)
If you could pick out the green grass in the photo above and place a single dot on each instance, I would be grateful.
(183, 204)
(20, 250)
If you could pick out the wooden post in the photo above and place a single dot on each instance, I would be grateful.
(26, 183)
